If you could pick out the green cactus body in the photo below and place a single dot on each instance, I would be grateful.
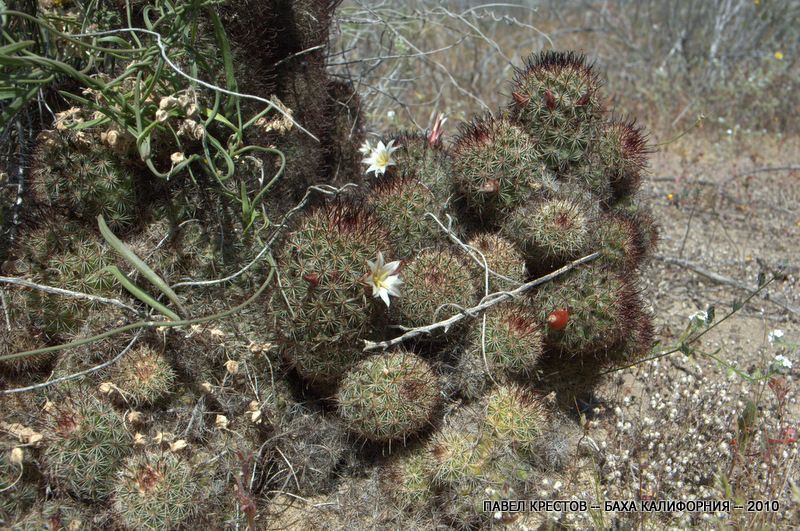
(58, 514)
(196, 356)
(460, 457)
(87, 441)
(408, 482)
(21, 340)
(622, 151)
(502, 258)
(155, 491)
(639, 340)
(36, 244)
(471, 466)
(620, 241)
(640, 218)
(556, 101)
(23, 336)
(513, 339)
(77, 265)
(88, 180)
(638, 345)
(327, 309)
(496, 167)
(429, 165)
(389, 396)
(462, 504)
(154, 245)
(595, 299)
(401, 204)
(144, 376)
(207, 253)
(551, 232)
(516, 417)
(434, 278)
(591, 175)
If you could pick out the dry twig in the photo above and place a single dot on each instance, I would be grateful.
(728, 281)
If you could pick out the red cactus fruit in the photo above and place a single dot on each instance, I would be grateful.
(558, 319)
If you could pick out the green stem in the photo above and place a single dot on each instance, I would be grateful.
(682, 345)
(138, 264)
(140, 294)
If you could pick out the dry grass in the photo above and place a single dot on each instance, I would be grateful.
(734, 61)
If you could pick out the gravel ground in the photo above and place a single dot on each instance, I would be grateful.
(668, 429)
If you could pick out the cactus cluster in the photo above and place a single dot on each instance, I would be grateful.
(143, 376)
(72, 173)
(88, 441)
(482, 454)
(283, 396)
(323, 308)
(496, 167)
(389, 396)
(544, 183)
(154, 491)
(557, 102)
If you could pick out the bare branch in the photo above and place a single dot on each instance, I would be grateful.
(722, 279)
(67, 293)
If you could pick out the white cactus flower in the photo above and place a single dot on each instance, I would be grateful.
(380, 157)
(366, 148)
(383, 278)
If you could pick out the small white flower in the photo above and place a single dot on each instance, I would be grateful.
(366, 148)
(781, 362)
(699, 316)
(775, 334)
(391, 115)
(383, 279)
(380, 157)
